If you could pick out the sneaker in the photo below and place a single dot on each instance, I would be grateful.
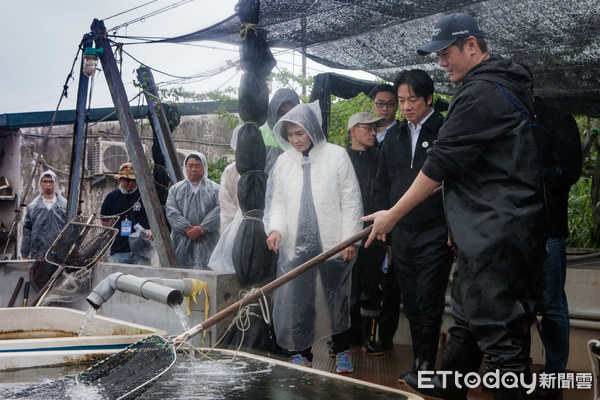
(344, 365)
(297, 359)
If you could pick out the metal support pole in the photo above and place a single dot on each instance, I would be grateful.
(161, 126)
(77, 155)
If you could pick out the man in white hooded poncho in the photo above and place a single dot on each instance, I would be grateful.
(45, 218)
(193, 212)
(315, 204)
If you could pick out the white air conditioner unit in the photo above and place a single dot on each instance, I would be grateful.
(182, 154)
(109, 156)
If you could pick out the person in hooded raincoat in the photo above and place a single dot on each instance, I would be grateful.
(487, 159)
(282, 101)
(45, 218)
(315, 204)
(193, 212)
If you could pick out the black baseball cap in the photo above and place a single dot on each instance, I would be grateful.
(448, 29)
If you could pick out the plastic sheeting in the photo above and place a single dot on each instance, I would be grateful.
(559, 39)
(315, 205)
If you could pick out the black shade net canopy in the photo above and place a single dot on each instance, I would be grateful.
(558, 39)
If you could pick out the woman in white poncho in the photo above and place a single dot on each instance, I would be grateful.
(315, 204)
(193, 212)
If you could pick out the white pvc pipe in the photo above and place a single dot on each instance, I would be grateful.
(133, 285)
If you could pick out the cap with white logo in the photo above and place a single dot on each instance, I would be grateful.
(448, 29)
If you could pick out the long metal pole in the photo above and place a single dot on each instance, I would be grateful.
(161, 128)
(77, 155)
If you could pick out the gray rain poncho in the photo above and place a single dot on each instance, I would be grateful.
(314, 204)
(185, 207)
(43, 225)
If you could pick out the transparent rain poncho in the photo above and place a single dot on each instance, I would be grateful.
(272, 148)
(42, 225)
(185, 207)
(314, 204)
(231, 215)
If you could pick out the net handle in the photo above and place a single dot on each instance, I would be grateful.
(269, 287)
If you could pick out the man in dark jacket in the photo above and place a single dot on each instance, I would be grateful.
(367, 275)
(561, 158)
(125, 203)
(486, 158)
(385, 105)
(421, 257)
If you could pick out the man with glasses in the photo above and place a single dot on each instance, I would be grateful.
(421, 257)
(45, 218)
(125, 203)
(367, 275)
(385, 105)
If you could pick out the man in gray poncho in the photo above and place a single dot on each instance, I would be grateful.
(193, 212)
(45, 218)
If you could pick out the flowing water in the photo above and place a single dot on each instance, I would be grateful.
(181, 314)
(219, 377)
(87, 321)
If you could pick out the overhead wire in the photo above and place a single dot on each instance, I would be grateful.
(131, 9)
(150, 14)
(64, 94)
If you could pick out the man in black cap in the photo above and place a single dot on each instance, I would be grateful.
(486, 158)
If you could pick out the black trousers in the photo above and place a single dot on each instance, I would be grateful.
(422, 261)
(367, 287)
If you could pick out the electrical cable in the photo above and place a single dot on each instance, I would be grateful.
(148, 15)
(43, 149)
(131, 9)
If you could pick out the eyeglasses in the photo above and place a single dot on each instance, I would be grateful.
(47, 182)
(391, 104)
(369, 128)
(194, 166)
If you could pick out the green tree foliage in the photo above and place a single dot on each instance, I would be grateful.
(215, 169)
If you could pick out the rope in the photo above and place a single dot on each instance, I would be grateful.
(593, 360)
(247, 27)
(252, 218)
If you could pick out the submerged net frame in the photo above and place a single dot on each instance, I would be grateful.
(126, 374)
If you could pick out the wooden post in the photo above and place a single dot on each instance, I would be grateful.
(144, 178)
(161, 125)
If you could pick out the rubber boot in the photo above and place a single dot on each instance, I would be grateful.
(369, 342)
(415, 334)
(430, 337)
(457, 357)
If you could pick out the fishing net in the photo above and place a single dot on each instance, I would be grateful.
(70, 287)
(126, 374)
(81, 244)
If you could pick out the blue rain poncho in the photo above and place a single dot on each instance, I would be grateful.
(42, 224)
(314, 204)
(187, 206)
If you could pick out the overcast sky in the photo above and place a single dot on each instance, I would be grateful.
(39, 41)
